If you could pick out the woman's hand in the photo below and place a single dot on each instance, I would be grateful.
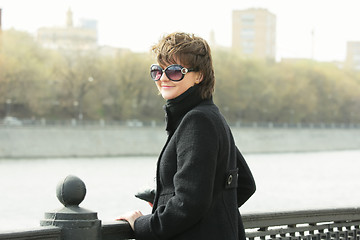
(130, 217)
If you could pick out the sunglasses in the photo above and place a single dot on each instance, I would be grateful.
(173, 72)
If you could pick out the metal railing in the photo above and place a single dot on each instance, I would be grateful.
(75, 223)
(311, 224)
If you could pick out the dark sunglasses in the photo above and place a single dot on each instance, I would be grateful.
(173, 72)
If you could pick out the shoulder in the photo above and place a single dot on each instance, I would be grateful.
(205, 114)
(206, 107)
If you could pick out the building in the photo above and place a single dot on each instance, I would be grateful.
(353, 55)
(254, 33)
(69, 37)
(0, 19)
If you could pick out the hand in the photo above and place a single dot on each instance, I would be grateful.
(130, 217)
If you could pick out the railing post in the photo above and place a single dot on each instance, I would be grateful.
(76, 223)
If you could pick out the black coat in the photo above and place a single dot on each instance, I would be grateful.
(196, 198)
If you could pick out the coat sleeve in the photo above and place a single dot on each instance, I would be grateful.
(246, 183)
(197, 147)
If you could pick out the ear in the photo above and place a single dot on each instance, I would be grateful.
(199, 78)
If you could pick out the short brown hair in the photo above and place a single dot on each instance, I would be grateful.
(193, 52)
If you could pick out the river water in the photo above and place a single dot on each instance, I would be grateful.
(287, 181)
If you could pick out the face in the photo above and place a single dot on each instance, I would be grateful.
(170, 89)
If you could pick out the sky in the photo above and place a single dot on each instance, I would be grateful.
(318, 29)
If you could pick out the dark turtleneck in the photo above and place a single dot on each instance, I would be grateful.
(176, 108)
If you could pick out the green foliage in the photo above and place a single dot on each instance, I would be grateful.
(42, 83)
(23, 71)
(287, 92)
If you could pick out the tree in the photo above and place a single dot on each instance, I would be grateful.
(24, 71)
(42, 83)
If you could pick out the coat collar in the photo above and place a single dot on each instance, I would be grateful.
(176, 108)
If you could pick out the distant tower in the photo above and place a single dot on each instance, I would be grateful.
(312, 43)
(70, 37)
(69, 19)
(212, 40)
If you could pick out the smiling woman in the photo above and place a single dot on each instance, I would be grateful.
(202, 178)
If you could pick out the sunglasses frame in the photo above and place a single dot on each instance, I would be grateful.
(183, 71)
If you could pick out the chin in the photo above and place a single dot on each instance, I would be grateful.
(167, 96)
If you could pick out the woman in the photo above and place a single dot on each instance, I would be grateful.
(202, 177)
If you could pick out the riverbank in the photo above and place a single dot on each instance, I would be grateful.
(62, 142)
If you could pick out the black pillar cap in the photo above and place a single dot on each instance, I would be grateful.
(71, 191)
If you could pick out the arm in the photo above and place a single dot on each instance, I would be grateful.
(246, 182)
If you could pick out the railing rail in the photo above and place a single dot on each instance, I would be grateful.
(116, 231)
(310, 224)
(38, 233)
(75, 223)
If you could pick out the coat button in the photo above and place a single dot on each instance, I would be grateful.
(230, 178)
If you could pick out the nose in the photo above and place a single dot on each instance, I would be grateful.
(164, 77)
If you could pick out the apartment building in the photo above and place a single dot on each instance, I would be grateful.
(353, 55)
(254, 33)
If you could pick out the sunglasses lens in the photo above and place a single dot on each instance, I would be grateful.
(174, 73)
(155, 72)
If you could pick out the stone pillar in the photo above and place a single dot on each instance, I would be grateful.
(76, 223)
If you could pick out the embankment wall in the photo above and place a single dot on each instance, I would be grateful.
(61, 142)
